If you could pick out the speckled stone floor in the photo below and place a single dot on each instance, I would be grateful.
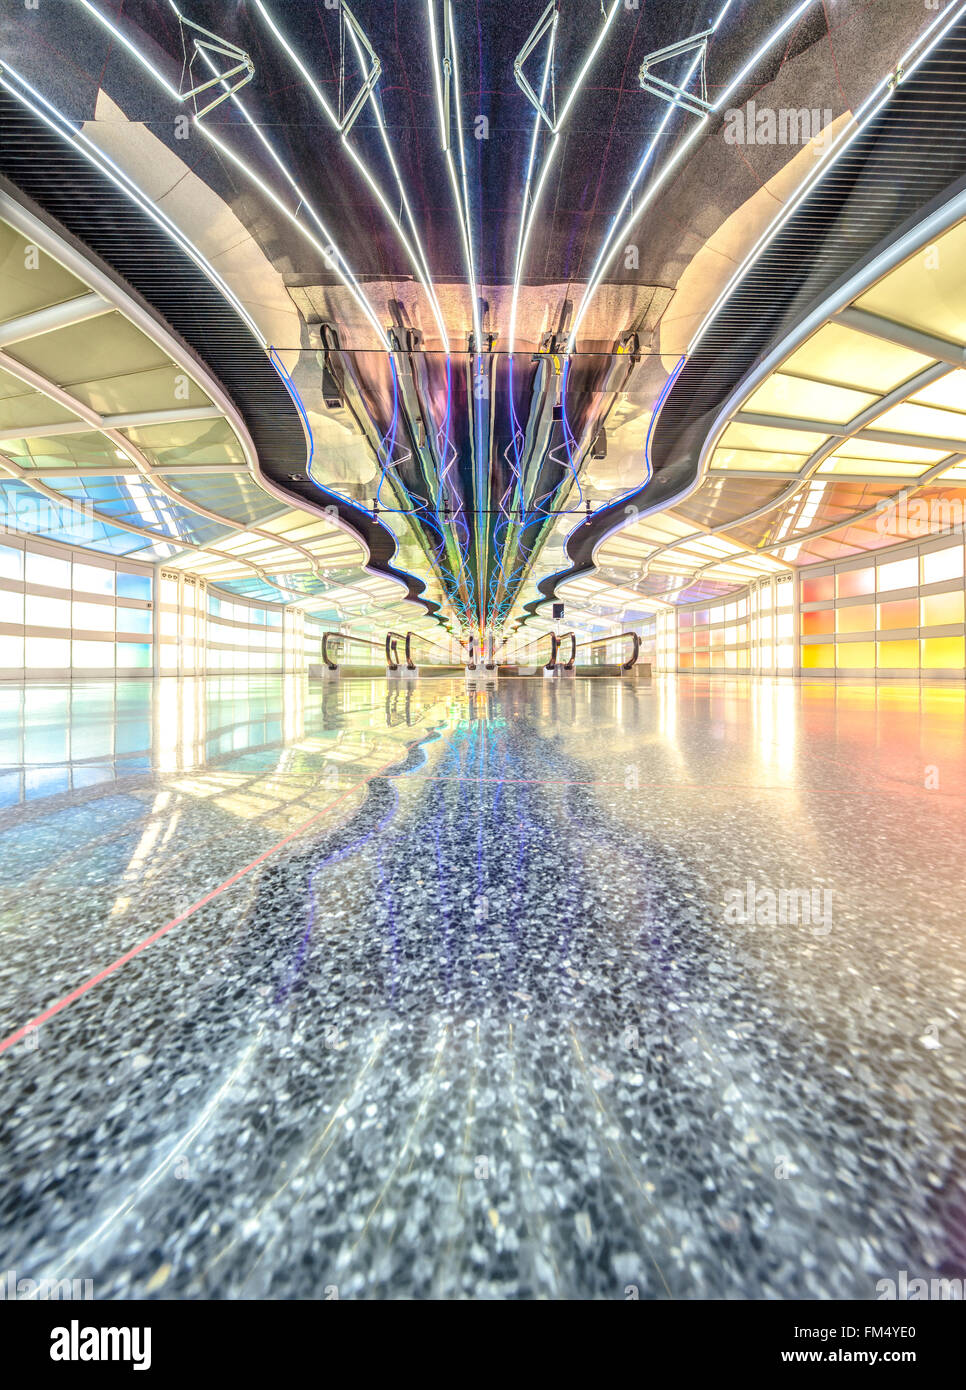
(561, 990)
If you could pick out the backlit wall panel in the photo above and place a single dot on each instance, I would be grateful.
(752, 632)
(71, 613)
(898, 613)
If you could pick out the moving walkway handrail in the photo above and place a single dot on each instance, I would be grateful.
(341, 637)
(554, 646)
(391, 647)
(476, 654)
(427, 641)
(601, 642)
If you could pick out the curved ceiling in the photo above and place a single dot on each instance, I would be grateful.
(456, 253)
(111, 438)
(787, 421)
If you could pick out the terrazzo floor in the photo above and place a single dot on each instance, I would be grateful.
(369, 991)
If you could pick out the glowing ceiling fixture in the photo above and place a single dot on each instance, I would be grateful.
(448, 99)
(669, 91)
(210, 43)
(329, 252)
(363, 50)
(869, 109)
(525, 222)
(244, 69)
(547, 24)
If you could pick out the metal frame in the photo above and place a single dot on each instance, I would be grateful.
(670, 91)
(212, 43)
(547, 21)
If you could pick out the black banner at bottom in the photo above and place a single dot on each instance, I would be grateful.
(260, 1339)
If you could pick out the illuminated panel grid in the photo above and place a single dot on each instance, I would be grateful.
(201, 630)
(66, 612)
(667, 649)
(753, 632)
(243, 636)
(893, 613)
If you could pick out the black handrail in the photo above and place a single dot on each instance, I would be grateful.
(391, 647)
(341, 637)
(330, 665)
(554, 646)
(602, 641)
(428, 641)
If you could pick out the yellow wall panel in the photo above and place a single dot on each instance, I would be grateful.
(817, 658)
(942, 608)
(944, 653)
(855, 655)
(904, 655)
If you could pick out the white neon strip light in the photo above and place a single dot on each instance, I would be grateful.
(582, 75)
(426, 277)
(440, 102)
(618, 229)
(869, 109)
(527, 221)
(133, 49)
(292, 216)
(458, 107)
(415, 252)
(60, 125)
(446, 146)
(329, 253)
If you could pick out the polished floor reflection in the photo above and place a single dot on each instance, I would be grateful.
(571, 988)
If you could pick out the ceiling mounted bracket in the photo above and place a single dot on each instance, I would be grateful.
(371, 77)
(238, 75)
(547, 23)
(671, 92)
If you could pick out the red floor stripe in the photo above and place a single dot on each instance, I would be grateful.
(109, 970)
